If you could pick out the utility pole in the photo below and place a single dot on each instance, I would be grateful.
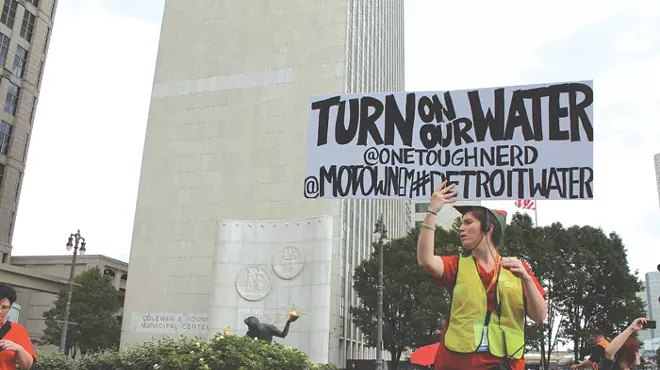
(80, 241)
(380, 233)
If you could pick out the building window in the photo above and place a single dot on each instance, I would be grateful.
(47, 40)
(5, 138)
(2, 173)
(9, 13)
(41, 72)
(18, 186)
(4, 49)
(35, 3)
(52, 9)
(27, 141)
(34, 107)
(11, 101)
(11, 227)
(342, 306)
(20, 59)
(28, 26)
(421, 207)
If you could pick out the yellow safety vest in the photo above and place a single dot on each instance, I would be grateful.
(469, 309)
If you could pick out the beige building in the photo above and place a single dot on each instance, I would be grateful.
(60, 266)
(33, 289)
(25, 27)
(222, 229)
(38, 280)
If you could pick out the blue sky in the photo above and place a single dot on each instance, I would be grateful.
(85, 155)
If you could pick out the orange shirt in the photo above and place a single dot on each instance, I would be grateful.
(448, 360)
(18, 335)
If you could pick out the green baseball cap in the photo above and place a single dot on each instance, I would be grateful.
(499, 215)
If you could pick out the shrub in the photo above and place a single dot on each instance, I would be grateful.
(219, 353)
(106, 360)
(52, 361)
(166, 353)
(244, 353)
(324, 367)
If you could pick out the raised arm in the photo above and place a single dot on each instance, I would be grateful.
(617, 342)
(426, 257)
(276, 332)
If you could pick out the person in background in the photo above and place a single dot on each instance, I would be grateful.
(597, 352)
(490, 295)
(15, 345)
(623, 351)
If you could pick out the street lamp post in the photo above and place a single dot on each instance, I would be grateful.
(67, 310)
(381, 234)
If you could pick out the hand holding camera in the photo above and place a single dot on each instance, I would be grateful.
(641, 323)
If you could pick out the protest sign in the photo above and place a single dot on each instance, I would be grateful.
(517, 142)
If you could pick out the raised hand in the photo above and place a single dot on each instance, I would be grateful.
(638, 324)
(8, 345)
(443, 194)
(516, 267)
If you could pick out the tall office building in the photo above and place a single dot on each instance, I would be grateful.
(445, 217)
(650, 297)
(222, 229)
(24, 31)
(652, 292)
(657, 173)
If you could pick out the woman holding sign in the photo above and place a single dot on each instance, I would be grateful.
(491, 295)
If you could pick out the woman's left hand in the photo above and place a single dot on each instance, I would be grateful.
(8, 345)
(516, 267)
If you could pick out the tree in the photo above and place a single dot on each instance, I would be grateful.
(599, 290)
(414, 309)
(95, 323)
(542, 249)
(586, 276)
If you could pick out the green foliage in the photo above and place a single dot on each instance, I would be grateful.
(599, 290)
(95, 307)
(324, 367)
(52, 361)
(219, 353)
(586, 275)
(414, 309)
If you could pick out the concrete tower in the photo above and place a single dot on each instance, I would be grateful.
(222, 229)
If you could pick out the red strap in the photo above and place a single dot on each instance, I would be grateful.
(496, 272)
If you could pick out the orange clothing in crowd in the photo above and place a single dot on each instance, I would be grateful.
(18, 335)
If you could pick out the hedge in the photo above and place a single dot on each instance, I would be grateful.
(219, 353)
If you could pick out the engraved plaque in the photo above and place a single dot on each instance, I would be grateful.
(253, 282)
(288, 262)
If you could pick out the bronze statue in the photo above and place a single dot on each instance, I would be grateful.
(267, 331)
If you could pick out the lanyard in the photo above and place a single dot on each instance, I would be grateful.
(496, 272)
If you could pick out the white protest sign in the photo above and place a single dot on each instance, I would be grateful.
(518, 142)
